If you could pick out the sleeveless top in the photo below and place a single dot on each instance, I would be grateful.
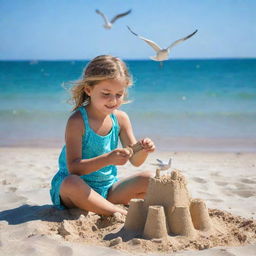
(94, 145)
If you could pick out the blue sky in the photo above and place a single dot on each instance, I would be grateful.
(65, 29)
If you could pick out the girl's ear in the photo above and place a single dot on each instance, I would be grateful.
(87, 90)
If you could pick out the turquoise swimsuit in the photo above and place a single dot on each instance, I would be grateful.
(92, 145)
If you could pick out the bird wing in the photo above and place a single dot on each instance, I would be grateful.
(120, 15)
(102, 15)
(181, 40)
(149, 42)
(159, 161)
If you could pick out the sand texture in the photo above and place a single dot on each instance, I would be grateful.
(211, 209)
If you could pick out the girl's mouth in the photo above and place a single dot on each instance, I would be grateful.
(110, 107)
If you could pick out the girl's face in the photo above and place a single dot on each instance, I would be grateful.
(107, 95)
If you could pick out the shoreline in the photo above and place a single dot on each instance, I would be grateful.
(173, 144)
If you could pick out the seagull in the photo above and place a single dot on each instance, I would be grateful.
(161, 53)
(108, 24)
(163, 166)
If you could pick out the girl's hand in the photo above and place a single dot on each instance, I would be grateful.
(148, 145)
(119, 156)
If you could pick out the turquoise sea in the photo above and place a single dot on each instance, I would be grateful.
(185, 105)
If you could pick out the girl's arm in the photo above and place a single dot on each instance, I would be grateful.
(127, 138)
(77, 165)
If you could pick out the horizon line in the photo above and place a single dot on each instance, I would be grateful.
(125, 59)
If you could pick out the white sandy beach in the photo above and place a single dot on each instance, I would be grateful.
(225, 181)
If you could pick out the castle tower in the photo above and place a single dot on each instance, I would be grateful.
(155, 226)
(200, 215)
(168, 191)
(136, 216)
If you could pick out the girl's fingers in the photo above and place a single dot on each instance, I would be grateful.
(145, 142)
(123, 152)
(126, 152)
(148, 143)
(151, 146)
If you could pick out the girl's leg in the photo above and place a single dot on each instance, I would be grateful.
(134, 186)
(74, 192)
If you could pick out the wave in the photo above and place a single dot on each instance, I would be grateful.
(30, 114)
(133, 113)
(244, 95)
(181, 115)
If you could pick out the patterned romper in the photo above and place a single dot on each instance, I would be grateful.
(92, 145)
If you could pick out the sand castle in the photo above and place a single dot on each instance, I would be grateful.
(167, 210)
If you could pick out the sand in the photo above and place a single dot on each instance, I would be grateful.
(226, 182)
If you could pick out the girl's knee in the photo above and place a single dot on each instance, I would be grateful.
(72, 181)
(145, 176)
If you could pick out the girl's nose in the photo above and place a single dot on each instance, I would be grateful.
(113, 99)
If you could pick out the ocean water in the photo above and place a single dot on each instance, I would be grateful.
(185, 105)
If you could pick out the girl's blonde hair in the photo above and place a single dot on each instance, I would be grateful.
(100, 68)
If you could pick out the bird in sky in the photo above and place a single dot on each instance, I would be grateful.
(163, 166)
(161, 53)
(108, 24)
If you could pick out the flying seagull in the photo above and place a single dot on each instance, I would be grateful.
(161, 53)
(163, 166)
(108, 24)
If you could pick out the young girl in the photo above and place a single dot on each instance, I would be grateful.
(87, 176)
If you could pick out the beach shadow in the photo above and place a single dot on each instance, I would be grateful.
(26, 213)
(123, 233)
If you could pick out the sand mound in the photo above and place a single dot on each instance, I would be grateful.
(167, 220)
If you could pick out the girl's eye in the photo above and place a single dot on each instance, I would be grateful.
(105, 94)
(119, 95)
